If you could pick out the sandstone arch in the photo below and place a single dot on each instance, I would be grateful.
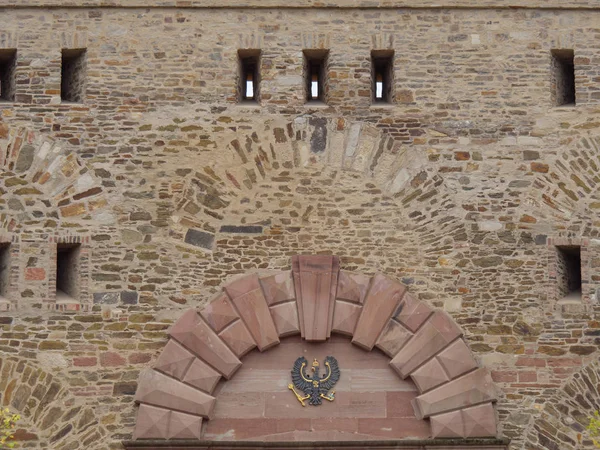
(315, 299)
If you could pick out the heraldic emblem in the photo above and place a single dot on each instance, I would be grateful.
(314, 386)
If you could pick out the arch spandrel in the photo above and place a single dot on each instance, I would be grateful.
(454, 397)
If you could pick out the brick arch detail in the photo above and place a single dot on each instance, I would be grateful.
(315, 299)
(51, 414)
(562, 423)
(255, 155)
(56, 182)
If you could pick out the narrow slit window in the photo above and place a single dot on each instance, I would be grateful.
(249, 61)
(568, 272)
(383, 74)
(67, 271)
(315, 62)
(73, 75)
(4, 269)
(8, 68)
(563, 77)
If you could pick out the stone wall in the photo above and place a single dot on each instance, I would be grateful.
(461, 189)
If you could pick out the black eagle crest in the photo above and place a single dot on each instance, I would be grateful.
(315, 386)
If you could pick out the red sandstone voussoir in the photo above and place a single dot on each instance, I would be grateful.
(161, 390)
(381, 302)
(191, 331)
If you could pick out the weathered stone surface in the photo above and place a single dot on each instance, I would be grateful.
(345, 317)
(255, 314)
(202, 376)
(285, 317)
(160, 390)
(382, 299)
(471, 389)
(352, 286)
(199, 238)
(461, 187)
(393, 337)
(219, 312)
(151, 423)
(433, 336)
(278, 288)
(195, 335)
(174, 360)
(315, 281)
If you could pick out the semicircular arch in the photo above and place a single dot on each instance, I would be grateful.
(314, 300)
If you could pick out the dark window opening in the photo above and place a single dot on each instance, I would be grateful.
(67, 271)
(73, 75)
(568, 272)
(249, 75)
(315, 62)
(563, 77)
(8, 68)
(382, 62)
(4, 269)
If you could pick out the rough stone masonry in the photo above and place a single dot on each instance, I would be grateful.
(139, 194)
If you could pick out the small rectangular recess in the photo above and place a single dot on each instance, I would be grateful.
(249, 75)
(568, 272)
(315, 74)
(73, 75)
(68, 282)
(382, 73)
(8, 68)
(5, 264)
(563, 77)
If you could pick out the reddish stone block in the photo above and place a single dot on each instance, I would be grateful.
(202, 376)
(238, 338)
(83, 361)
(161, 390)
(219, 313)
(504, 376)
(439, 331)
(112, 359)
(412, 313)
(200, 339)
(140, 358)
(174, 360)
(471, 389)
(242, 286)
(398, 404)
(457, 359)
(393, 338)
(315, 282)
(429, 375)
(480, 421)
(35, 274)
(278, 288)
(345, 317)
(349, 425)
(184, 426)
(285, 316)
(244, 428)
(527, 377)
(394, 428)
(152, 423)
(254, 311)
(382, 299)
(352, 287)
(448, 425)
